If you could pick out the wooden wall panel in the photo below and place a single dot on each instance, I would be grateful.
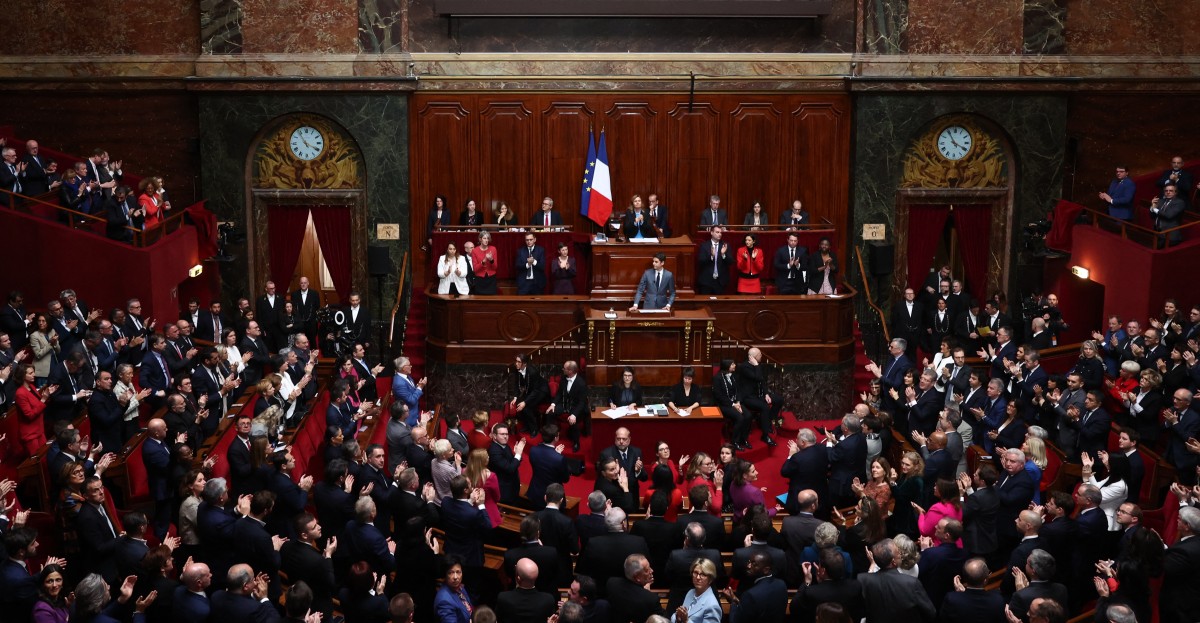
(634, 143)
(754, 140)
(743, 147)
(565, 123)
(693, 159)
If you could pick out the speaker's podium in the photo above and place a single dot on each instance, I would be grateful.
(657, 345)
(618, 266)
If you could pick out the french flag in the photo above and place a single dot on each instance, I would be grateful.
(599, 204)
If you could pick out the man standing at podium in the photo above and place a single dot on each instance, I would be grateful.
(657, 284)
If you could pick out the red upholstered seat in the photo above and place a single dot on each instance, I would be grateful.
(135, 473)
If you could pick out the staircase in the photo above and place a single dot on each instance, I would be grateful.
(862, 378)
(415, 331)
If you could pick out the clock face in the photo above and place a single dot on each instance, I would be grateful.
(954, 142)
(307, 142)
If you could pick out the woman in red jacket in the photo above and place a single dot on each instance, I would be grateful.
(750, 267)
(31, 403)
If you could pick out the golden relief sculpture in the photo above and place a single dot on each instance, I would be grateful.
(338, 165)
(927, 166)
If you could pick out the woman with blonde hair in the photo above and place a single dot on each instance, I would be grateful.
(1035, 465)
(1090, 366)
(907, 487)
(480, 477)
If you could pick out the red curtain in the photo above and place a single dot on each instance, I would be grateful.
(974, 232)
(925, 226)
(287, 225)
(333, 230)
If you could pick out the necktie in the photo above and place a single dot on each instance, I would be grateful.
(16, 180)
(178, 353)
(166, 373)
(107, 521)
(658, 280)
(716, 250)
(624, 456)
(547, 219)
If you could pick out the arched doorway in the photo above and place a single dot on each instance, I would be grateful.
(307, 208)
(955, 205)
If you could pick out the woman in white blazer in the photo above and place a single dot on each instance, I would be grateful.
(452, 272)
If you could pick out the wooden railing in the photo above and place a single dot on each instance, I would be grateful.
(398, 305)
(1139, 234)
(38, 206)
(876, 349)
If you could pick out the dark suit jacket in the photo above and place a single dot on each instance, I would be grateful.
(938, 567)
(204, 327)
(678, 572)
(655, 295)
(723, 260)
(12, 322)
(129, 555)
(791, 278)
(923, 415)
(807, 469)
(465, 528)
(892, 596)
(714, 527)
(548, 467)
(605, 554)
(633, 454)
(798, 531)
(558, 531)
(303, 562)
(975, 605)
(228, 606)
(1021, 599)
(504, 463)
(362, 541)
(267, 315)
(1181, 572)
(189, 607)
(548, 580)
(661, 535)
(360, 328)
(259, 358)
(629, 602)
(523, 605)
(574, 402)
(1015, 493)
(588, 526)
(157, 458)
(152, 375)
(765, 600)
(253, 546)
(847, 459)
(20, 590)
(741, 556)
(106, 415)
(707, 218)
(97, 544)
(847, 592)
(521, 268)
(630, 227)
(539, 218)
(240, 472)
(306, 312)
(1093, 434)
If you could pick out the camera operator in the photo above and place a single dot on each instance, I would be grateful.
(1049, 312)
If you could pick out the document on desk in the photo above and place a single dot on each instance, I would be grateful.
(618, 413)
(654, 311)
(653, 240)
(653, 411)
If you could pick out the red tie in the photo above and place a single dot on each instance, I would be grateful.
(547, 219)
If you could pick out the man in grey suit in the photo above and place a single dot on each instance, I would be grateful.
(890, 595)
(657, 284)
(1168, 212)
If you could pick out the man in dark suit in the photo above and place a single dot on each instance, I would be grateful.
(1094, 540)
(260, 357)
(211, 323)
(14, 320)
(938, 462)
(806, 467)
(374, 472)
(305, 303)
(1028, 525)
(131, 546)
(190, 603)
(997, 353)
(923, 404)
(97, 533)
(155, 375)
(1168, 212)
(715, 257)
(245, 599)
(572, 401)
(791, 267)
(549, 466)
(362, 540)
(1035, 583)
(35, 181)
(267, 309)
(994, 320)
(465, 521)
(525, 603)
(699, 498)
(908, 322)
(67, 402)
(658, 532)
(546, 571)
(16, 575)
(980, 509)
(1059, 531)
(157, 457)
(557, 530)
(629, 457)
(547, 217)
(303, 561)
(765, 597)
(825, 583)
(756, 396)
(1182, 423)
(1015, 490)
(106, 413)
(657, 285)
(628, 598)
(891, 373)
(369, 391)
(530, 267)
(973, 603)
(254, 545)
(1092, 424)
(659, 215)
(332, 498)
(527, 390)
(760, 531)
(799, 530)
(714, 214)
(847, 460)
(506, 463)
(591, 524)
(605, 554)
(358, 319)
(1181, 571)
(238, 457)
(678, 569)
(891, 595)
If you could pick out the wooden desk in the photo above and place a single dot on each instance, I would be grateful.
(698, 432)
(657, 345)
(618, 266)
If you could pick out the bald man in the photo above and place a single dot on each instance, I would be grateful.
(755, 396)
(190, 604)
(630, 458)
(157, 457)
(524, 603)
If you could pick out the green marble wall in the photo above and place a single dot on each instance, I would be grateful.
(378, 122)
(885, 124)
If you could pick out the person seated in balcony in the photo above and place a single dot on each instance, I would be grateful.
(756, 218)
(1120, 195)
(504, 216)
(470, 216)
(637, 222)
(796, 217)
